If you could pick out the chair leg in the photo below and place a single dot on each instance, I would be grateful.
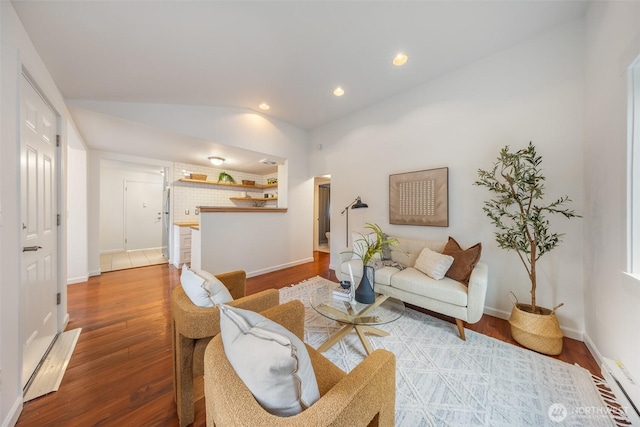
(183, 381)
(460, 324)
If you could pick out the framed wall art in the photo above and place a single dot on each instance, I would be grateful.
(420, 198)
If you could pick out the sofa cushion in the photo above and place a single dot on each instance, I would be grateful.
(273, 362)
(217, 291)
(463, 260)
(407, 250)
(433, 264)
(445, 290)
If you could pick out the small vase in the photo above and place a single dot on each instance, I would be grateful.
(364, 293)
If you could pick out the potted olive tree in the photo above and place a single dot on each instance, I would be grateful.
(518, 212)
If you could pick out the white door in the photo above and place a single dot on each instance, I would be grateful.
(143, 215)
(39, 287)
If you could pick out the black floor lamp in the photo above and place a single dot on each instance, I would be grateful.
(356, 204)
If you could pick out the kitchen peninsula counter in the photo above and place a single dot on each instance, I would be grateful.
(256, 240)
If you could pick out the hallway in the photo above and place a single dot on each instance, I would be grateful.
(131, 259)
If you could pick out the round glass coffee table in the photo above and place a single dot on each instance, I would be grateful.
(354, 315)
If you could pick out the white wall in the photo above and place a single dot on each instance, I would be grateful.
(18, 51)
(258, 242)
(612, 299)
(235, 127)
(112, 201)
(77, 258)
(533, 91)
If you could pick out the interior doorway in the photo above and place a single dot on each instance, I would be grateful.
(132, 210)
(322, 214)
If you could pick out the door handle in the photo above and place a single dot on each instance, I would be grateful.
(31, 248)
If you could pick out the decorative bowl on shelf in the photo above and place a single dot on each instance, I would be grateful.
(198, 176)
(247, 182)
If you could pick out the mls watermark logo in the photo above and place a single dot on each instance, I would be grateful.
(557, 412)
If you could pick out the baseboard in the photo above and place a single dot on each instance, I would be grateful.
(112, 251)
(568, 332)
(14, 413)
(593, 349)
(93, 273)
(65, 321)
(500, 314)
(80, 279)
(279, 267)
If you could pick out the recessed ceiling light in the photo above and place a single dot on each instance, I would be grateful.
(216, 161)
(264, 106)
(400, 59)
(338, 91)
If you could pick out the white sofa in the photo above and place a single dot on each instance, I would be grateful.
(445, 296)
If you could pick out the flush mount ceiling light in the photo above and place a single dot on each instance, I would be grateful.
(264, 106)
(338, 91)
(216, 161)
(400, 59)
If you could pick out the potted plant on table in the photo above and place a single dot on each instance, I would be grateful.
(366, 248)
(518, 213)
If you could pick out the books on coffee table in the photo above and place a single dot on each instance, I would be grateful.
(341, 293)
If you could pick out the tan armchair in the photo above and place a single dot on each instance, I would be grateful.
(193, 328)
(363, 397)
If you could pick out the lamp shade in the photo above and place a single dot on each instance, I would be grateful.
(358, 204)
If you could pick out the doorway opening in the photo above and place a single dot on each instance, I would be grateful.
(322, 213)
(133, 223)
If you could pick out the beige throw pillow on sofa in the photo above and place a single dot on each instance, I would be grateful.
(433, 264)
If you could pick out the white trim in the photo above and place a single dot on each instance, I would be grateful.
(278, 267)
(635, 277)
(14, 413)
(595, 352)
(80, 279)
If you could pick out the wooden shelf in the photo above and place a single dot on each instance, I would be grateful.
(208, 209)
(259, 199)
(228, 184)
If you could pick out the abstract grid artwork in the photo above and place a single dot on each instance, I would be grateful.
(420, 198)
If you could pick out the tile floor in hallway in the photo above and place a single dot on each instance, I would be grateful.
(131, 259)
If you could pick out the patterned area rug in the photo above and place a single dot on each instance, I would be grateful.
(444, 381)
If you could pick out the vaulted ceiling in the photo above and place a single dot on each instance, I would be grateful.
(289, 54)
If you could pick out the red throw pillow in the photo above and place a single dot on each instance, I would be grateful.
(463, 260)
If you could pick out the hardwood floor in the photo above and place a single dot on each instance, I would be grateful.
(121, 371)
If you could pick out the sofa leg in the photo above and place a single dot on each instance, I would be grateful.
(460, 324)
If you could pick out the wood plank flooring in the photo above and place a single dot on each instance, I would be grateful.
(121, 371)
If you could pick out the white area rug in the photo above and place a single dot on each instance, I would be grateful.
(444, 381)
(49, 375)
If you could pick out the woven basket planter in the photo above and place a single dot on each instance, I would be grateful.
(538, 332)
